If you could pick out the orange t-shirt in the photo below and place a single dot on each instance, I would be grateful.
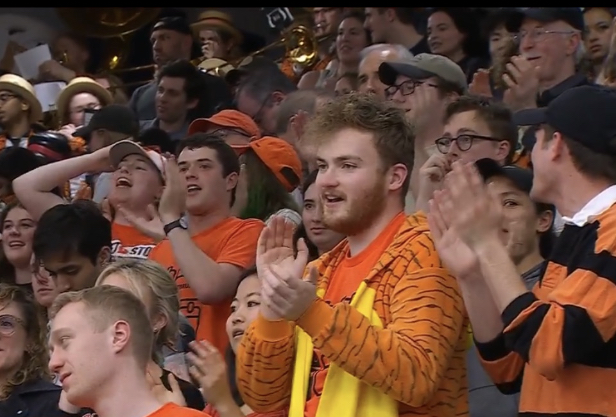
(174, 410)
(344, 282)
(213, 413)
(128, 242)
(232, 241)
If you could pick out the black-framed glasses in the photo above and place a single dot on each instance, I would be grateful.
(9, 324)
(464, 142)
(258, 116)
(406, 87)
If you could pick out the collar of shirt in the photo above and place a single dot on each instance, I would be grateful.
(176, 135)
(550, 94)
(601, 202)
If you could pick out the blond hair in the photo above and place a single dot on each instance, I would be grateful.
(393, 134)
(104, 306)
(144, 276)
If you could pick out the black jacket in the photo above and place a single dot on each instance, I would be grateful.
(35, 399)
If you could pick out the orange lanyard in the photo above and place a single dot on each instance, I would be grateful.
(3, 139)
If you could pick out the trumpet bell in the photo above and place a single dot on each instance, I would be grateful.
(114, 53)
(301, 45)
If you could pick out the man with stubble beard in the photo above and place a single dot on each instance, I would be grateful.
(172, 40)
(377, 325)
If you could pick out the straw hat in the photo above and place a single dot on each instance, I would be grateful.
(19, 86)
(80, 85)
(214, 19)
(216, 65)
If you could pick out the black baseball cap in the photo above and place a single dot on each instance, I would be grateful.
(584, 114)
(114, 118)
(521, 178)
(175, 23)
(570, 15)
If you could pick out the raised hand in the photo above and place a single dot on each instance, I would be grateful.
(522, 80)
(480, 85)
(173, 200)
(149, 224)
(431, 177)
(285, 294)
(162, 394)
(208, 368)
(84, 192)
(469, 207)
(455, 254)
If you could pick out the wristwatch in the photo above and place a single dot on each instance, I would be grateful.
(181, 222)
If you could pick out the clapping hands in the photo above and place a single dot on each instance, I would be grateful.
(464, 215)
(285, 294)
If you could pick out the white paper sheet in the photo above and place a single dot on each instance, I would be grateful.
(28, 62)
(47, 93)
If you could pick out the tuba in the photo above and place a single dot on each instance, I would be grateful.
(114, 24)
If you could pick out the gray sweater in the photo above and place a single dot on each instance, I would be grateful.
(484, 399)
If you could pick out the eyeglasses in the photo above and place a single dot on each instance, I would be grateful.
(258, 116)
(406, 87)
(464, 142)
(539, 35)
(9, 324)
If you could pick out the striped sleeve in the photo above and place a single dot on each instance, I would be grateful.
(577, 318)
(504, 367)
(407, 359)
(264, 365)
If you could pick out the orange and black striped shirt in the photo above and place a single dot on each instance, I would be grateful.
(418, 358)
(558, 347)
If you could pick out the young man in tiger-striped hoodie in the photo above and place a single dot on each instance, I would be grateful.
(384, 333)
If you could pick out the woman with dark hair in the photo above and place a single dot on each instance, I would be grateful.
(217, 376)
(598, 28)
(351, 39)
(269, 171)
(455, 33)
(319, 239)
(346, 83)
(17, 230)
(25, 383)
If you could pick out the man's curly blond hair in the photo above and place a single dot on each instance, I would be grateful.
(393, 134)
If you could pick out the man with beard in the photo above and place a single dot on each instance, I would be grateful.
(377, 324)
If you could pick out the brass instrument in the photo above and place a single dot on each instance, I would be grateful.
(107, 22)
(301, 48)
(114, 24)
(300, 43)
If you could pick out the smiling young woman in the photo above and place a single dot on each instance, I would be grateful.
(25, 384)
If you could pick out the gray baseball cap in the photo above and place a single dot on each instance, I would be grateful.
(424, 66)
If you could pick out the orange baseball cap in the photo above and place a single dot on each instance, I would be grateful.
(226, 118)
(280, 157)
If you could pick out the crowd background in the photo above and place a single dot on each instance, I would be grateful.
(197, 187)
